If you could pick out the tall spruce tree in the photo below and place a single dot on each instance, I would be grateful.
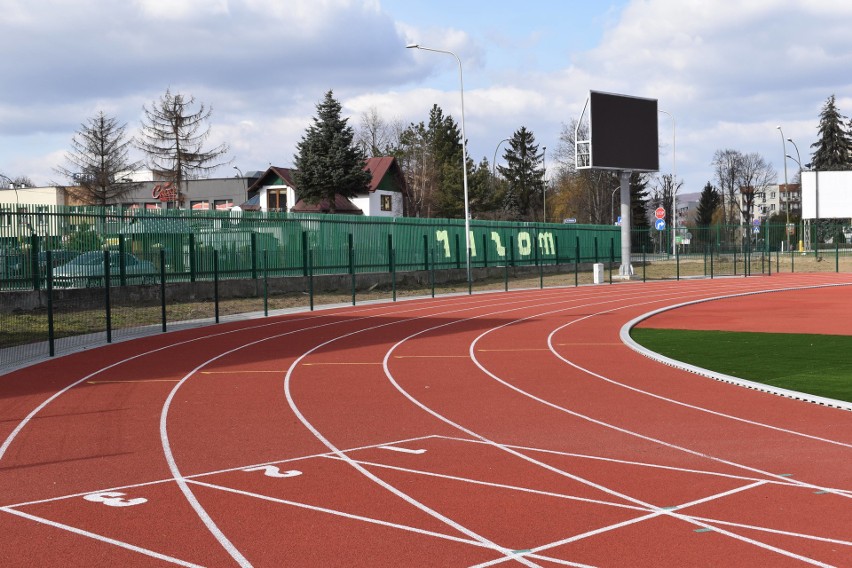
(446, 144)
(174, 136)
(708, 204)
(639, 196)
(328, 162)
(524, 175)
(97, 161)
(833, 149)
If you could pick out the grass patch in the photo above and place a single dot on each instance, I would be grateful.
(813, 364)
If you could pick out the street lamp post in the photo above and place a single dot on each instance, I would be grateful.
(786, 188)
(494, 162)
(544, 184)
(674, 179)
(245, 184)
(12, 186)
(464, 153)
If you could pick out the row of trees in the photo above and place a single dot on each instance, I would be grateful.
(173, 137)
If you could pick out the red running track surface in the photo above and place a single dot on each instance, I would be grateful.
(486, 430)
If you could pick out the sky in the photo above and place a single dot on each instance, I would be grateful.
(728, 73)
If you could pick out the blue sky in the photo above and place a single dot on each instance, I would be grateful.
(729, 72)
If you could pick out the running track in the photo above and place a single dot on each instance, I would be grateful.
(485, 430)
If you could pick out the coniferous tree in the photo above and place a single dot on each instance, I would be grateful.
(328, 161)
(833, 150)
(173, 137)
(445, 140)
(639, 196)
(97, 162)
(524, 175)
(708, 203)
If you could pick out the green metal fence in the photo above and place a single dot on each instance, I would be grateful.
(71, 277)
(341, 244)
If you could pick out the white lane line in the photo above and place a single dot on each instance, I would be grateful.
(338, 513)
(706, 525)
(100, 538)
(402, 450)
(498, 485)
(366, 473)
(206, 474)
(783, 481)
(447, 420)
(608, 528)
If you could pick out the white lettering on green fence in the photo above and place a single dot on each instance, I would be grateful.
(444, 236)
(545, 243)
(501, 250)
(524, 243)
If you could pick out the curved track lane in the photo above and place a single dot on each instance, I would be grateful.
(475, 430)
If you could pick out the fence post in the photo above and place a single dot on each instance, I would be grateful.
(50, 326)
(351, 243)
(390, 252)
(644, 263)
(305, 254)
(485, 250)
(216, 284)
(735, 262)
(265, 283)
(193, 258)
(836, 255)
(309, 265)
(577, 262)
(611, 257)
(163, 288)
(711, 262)
(512, 249)
(596, 249)
(122, 265)
(393, 270)
(34, 261)
(432, 272)
(253, 243)
(458, 252)
(677, 261)
(425, 252)
(107, 306)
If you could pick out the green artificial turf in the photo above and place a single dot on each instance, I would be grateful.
(814, 364)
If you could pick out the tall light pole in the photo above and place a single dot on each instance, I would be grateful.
(786, 188)
(245, 184)
(674, 179)
(464, 153)
(544, 185)
(12, 186)
(494, 163)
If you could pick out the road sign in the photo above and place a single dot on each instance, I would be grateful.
(618, 222)
(660, 224)
(756, 222)
(660, 213)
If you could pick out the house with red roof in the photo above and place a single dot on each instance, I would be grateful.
(275, 190)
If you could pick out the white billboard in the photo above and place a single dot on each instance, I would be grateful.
(826, 195)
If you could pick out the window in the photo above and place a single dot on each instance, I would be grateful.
(772, 207)
(276, 200)
(222, 204)
(773, 195)
(387, 202)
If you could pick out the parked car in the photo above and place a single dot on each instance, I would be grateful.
(19, 265)
(88, 270)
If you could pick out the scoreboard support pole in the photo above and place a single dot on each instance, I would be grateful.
(625, 271)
